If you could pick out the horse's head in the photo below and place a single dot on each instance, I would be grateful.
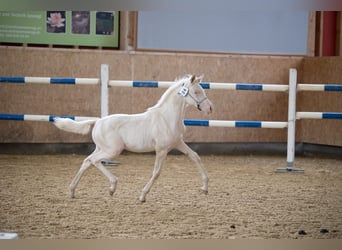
(195, 95)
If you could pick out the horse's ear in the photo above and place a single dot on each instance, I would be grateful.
(193, 78)
(200, 78)
(197, 79)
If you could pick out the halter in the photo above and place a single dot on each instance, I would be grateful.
(184, 91)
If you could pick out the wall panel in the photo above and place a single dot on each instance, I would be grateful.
(84, 100)
(321, 70)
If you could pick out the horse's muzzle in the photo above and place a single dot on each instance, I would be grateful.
(207, 107)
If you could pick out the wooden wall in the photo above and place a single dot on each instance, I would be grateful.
(320, 70)
(229, 105)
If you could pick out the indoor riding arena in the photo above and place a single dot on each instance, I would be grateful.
(271, 147)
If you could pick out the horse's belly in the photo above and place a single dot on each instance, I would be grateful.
(139, 145)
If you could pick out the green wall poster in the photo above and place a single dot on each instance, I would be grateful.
(79, 28)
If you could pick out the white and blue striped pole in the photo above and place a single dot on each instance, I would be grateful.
(319, 115)
(9, 236)
(166, 84)
(187, 122)
(140, 84)
(42, 118)
(205, 85)
(49, 80)
(229, 86)
(319, 87)
(235, 124)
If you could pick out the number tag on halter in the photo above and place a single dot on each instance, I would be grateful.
(184, 91)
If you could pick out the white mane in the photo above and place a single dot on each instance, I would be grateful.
(178, 82)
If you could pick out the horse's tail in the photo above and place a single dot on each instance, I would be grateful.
(69, 125)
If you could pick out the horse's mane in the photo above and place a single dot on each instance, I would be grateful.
(178, 82)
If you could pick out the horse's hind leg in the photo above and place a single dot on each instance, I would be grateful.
(112, 179)
(97, 159)
(85, 165)
(194, 156)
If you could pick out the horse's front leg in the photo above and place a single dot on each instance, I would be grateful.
(160, 157)
(194, 156)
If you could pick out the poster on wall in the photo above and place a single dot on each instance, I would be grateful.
(75, 28)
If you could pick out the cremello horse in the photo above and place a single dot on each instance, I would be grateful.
(159, 129)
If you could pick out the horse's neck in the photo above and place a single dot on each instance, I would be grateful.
(172, 109)
(175, 108)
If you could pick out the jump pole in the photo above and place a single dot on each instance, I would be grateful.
(9, 236)
(291, 126)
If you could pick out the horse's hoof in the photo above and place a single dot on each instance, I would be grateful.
(112, 190)
(204, 191)
(142, 199)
